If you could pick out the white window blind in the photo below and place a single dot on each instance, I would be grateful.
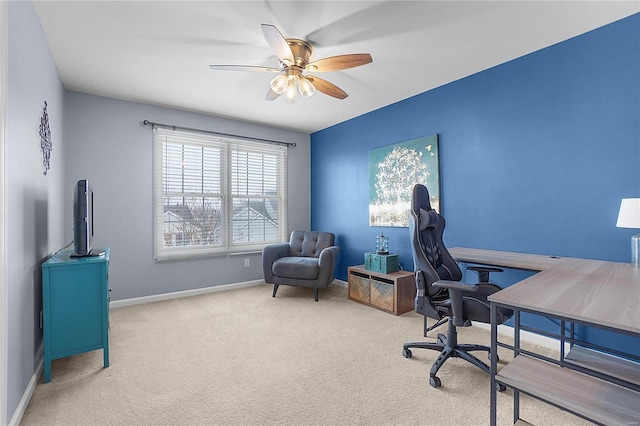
(216, 195)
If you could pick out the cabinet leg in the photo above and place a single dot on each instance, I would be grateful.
(47, 370)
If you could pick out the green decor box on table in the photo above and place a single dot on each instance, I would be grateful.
(385, 263)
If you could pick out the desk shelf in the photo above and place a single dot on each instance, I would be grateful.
(603, 363)
(586, 396)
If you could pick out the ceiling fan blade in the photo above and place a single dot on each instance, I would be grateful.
(242, 68)
(277, 41)
(327, 88)
(340, 62)
(271, 95)
(361, 22)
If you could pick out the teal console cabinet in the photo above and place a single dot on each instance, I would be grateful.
(75, 293)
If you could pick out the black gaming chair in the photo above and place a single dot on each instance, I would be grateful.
(440, 295)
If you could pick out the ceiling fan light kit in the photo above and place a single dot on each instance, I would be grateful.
(294, 56)
(290, 84)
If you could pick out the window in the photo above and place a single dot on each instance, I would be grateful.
(216, 195)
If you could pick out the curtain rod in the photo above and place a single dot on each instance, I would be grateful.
(174, 127)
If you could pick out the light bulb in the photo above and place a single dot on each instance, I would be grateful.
(279, 84)
(306, 87)
(291, 94)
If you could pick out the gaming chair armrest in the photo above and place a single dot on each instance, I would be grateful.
(483, 272)
(456, 285)
(456, 290)
(423, 304)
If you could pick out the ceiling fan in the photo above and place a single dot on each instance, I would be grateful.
(294, 58)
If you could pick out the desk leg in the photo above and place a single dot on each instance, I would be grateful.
(494, 363)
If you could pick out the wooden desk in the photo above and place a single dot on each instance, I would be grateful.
(592, 384)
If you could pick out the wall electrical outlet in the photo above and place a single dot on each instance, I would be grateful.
(247, 263)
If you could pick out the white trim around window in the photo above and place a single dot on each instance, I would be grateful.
(216, 195)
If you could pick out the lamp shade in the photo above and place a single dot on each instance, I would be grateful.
(629, 215)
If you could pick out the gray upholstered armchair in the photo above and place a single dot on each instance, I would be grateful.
(307, 260)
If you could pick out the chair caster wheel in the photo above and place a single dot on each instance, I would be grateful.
(406, 353)
(500, 387)
(489, 357)
(435, 382)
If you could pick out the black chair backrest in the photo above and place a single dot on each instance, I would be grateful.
(429, 252)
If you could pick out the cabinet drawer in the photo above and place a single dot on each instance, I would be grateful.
(75, 308)
(359, 288)
(382, 294)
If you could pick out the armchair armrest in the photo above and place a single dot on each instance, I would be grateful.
(456, 293)
(327, 263)
(270, 254)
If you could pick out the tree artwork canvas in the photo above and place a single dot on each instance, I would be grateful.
(393, 171)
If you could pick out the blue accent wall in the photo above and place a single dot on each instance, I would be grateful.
(535, 154)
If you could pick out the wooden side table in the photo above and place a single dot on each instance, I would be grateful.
(393, 293)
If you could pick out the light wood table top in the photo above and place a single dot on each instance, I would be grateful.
(593, 291)
(506, 259)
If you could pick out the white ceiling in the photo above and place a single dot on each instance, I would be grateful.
(158, 52)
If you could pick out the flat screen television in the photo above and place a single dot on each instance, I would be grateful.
(82, 219)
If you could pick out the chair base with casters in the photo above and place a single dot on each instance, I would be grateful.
(450, 348)
(448, 345)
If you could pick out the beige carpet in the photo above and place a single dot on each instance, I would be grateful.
(241, 357)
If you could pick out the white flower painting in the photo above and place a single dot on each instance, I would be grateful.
(393, 171)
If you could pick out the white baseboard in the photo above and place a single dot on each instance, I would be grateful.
(179, 294)
(194, 292)
(26, 396)
(340, 283)
(525, 336)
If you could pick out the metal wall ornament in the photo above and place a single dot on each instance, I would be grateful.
(46, 145)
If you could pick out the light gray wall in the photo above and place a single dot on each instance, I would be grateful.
(107, 144)
(104, 141)
(34, 202)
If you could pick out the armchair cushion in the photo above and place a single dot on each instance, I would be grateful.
(304, 268)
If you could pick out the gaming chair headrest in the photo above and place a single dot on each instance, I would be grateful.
(420, 199)
(421, 207)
